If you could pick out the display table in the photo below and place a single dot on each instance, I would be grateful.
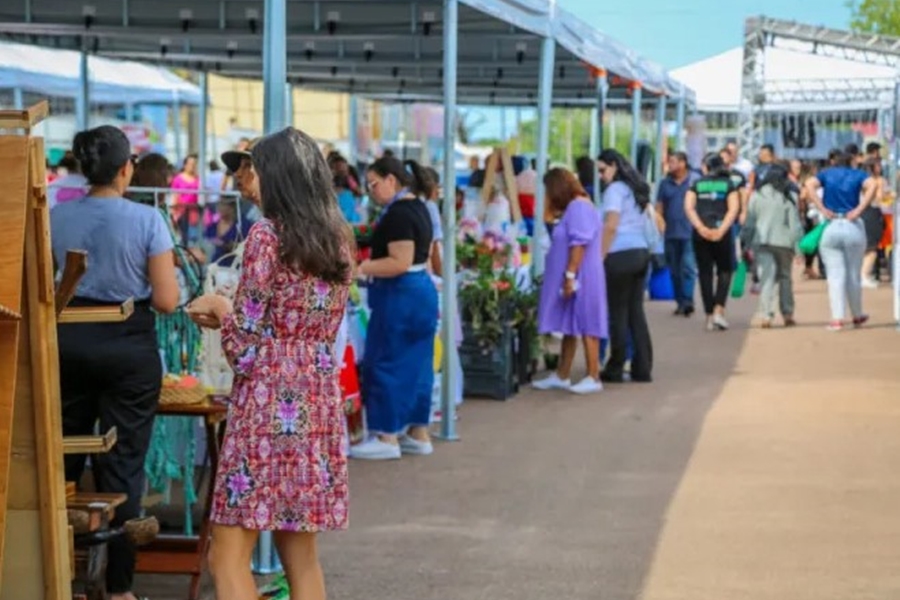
(183, 554)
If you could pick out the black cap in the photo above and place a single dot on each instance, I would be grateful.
(232, 159)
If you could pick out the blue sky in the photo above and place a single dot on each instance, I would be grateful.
(675, 33)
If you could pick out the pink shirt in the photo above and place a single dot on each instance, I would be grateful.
(181, 182)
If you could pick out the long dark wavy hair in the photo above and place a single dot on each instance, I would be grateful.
(628, 175)
(296, 192)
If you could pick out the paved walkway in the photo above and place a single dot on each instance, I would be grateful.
(759, 465)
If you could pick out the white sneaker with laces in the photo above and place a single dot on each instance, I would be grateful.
(586, 386)
(552, 382)
(375, 449)
(410, 445)
(719, 322)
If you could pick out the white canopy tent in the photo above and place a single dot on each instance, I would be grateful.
(53, 72)
(795, 81)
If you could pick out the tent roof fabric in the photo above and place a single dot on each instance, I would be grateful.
(795, 81)
(55, 73)
(368, 47)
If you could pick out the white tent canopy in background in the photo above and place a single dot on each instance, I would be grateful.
(717, 80)
(54, 72)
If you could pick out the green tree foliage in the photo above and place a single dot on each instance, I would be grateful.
(875, 16)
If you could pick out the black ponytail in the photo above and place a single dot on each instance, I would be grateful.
(422, 183)
(388, 165)
(101, 152)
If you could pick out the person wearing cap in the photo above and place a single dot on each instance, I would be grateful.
(240, 166)
(111, 372)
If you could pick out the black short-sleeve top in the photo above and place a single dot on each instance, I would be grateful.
(404, 220)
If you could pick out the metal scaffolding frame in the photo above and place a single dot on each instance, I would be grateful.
(762, 32)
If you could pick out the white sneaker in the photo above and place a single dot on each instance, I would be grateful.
(552, 382)
(869, 283)
(719, 322)
(375, 449)
(586, 386)
(410, 445)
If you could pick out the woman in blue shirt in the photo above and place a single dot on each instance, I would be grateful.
(112, 372)
(846, 192)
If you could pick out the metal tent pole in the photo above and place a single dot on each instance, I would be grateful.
(895, 246)
(202, 126)
(679, 121)
(545, 96)
(660, 138)
(18, 99)
(597, 131)
(636, 94)
(352, 133)
(274, 65)
(449, 367)
(83, 101)
(289, 120)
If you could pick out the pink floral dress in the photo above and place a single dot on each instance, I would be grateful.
(282, 464)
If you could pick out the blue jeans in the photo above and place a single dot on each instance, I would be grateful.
(683, 269)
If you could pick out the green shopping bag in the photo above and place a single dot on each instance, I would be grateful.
(809, 245)
(739, 280)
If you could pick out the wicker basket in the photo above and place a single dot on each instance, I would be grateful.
(179, 395)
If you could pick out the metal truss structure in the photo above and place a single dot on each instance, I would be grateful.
(756, 93)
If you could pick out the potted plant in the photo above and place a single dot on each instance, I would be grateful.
(488, 310)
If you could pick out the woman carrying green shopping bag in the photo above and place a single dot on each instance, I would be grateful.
(712, 206)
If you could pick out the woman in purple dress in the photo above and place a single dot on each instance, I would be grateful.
(573, 294)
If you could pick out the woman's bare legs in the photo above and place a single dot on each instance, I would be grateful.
(567, 356)
(592, 356)
(868, 268)
(300, 560)
(230, 553)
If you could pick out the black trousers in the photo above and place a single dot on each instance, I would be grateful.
(111, 373)
(715, 265)
(626, 280)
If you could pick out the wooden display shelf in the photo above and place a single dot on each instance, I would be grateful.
(8, 314)
(97, 314)
(90, 444)
(94, 501)
(24, 119)
(74, 270)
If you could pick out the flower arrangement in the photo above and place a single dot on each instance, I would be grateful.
(489, 300)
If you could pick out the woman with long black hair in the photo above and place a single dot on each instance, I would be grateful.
(282, 466)
(111, 372)
(626, 252)
(712, 205)
(398, 366)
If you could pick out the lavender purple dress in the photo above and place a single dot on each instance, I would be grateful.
(585, 313)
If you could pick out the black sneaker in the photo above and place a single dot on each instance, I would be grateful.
(688, 311)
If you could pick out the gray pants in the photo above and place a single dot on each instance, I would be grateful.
(775, 265)
(842, 249)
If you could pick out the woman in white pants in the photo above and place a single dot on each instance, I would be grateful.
(846, 194)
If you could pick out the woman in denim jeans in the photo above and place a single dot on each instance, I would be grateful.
(846, 194)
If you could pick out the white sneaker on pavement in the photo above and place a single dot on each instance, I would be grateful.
(552, 382)
(375, 449)
(586, 386)
(410, 445)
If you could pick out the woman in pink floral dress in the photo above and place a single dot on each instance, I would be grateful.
(282, 465)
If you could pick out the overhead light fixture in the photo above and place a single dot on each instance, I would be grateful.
(334, 70)
(164, 44)
(500, 73)
(395, 72)
(428, 19)
(310, 50)
(521, 47)
(187, 16)
(331, 21)
(89, 12)
(252, 16)
(562, 71)
(231, 48)
(368, 51)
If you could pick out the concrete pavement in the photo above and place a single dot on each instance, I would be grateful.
(759, 464)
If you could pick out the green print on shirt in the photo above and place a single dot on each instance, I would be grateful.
(713, 189)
